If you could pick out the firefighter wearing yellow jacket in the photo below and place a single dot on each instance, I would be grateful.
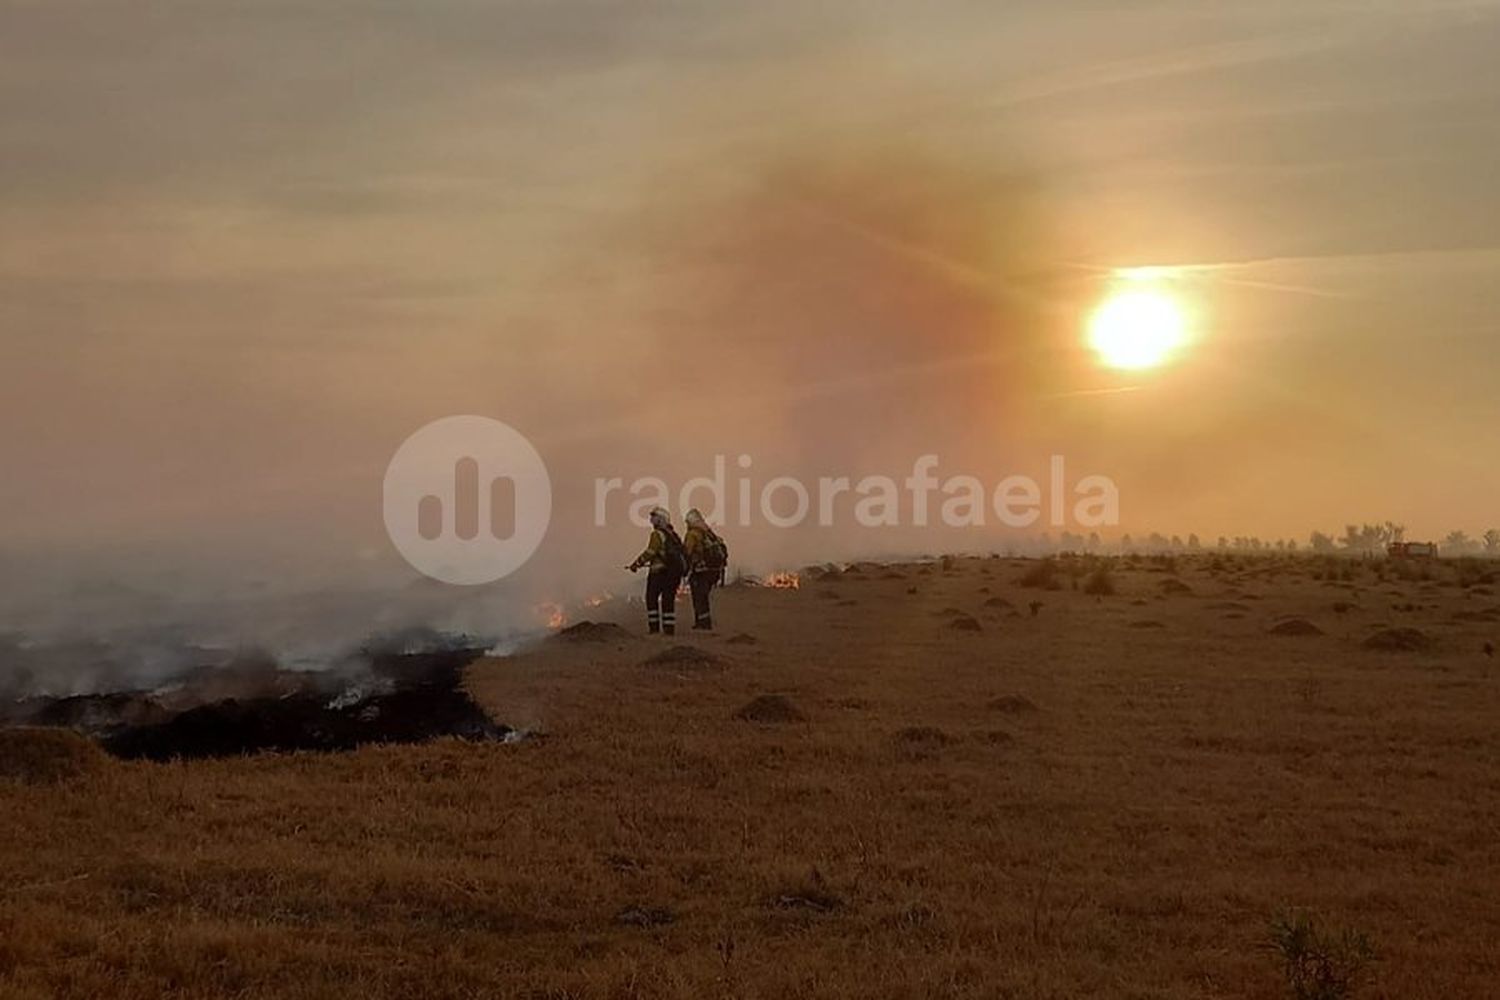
(707, 556)
(666, 562)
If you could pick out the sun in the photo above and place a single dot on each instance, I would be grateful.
(1137, 328)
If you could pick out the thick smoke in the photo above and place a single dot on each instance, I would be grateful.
(830, 310)
(828, 302)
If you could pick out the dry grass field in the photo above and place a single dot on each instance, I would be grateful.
(951, 797)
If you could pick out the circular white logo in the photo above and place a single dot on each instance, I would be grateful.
(467, 500)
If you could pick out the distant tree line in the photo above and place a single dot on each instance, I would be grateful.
(1370, 539)
(1357, 540)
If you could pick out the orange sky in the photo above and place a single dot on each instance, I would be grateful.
(245, 250)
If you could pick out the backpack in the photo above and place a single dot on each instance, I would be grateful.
(715, 550)
(673, 553)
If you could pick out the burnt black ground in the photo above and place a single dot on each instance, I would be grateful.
(421, 698)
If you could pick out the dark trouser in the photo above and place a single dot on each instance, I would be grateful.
(661, 601)
(702, 582)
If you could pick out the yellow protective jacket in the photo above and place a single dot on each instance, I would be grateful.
(695, 544)
(654, 554)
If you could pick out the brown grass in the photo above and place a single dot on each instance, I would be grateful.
(1134, 838)
(47, 756)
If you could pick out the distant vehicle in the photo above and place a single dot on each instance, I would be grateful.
(1412, 550)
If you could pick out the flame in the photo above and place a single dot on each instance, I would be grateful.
(782, 581)
(598, 599)
(552, 613)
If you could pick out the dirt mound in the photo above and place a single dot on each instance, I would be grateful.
(966, 623)
(812, 898)
(682, 656)
(771, 709)
(1175, 587)
(929, 736)
(588, 631)
(1012, 703)
(1399, 640)
(997, 602)
(1295, 626)
(645, 916)
(47, 756)
(1147, 623)
(742, 639)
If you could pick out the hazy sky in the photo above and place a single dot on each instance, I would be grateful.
(246, 248)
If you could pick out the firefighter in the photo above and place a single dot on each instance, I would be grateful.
(707, 555)
(665, 562)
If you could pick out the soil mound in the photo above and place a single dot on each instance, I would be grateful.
(35, 756)
(966, 623)
(682, 656)
(1295, 626)
(1399, 640)
(645, 916)
(772, 709)
(1012, 703)
(742, 639)
(929, 736)
(588, 631)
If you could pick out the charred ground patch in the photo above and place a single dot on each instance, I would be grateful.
(394, 698)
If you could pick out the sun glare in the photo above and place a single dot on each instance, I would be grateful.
(1137, 328)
